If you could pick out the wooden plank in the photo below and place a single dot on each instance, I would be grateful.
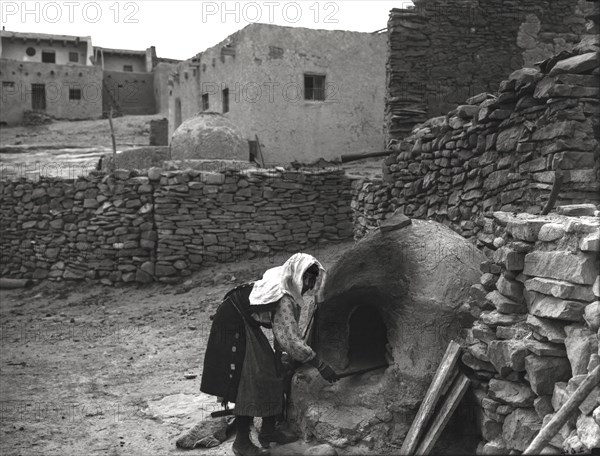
(261, 159)
(443, 373)
(458, 390)
(564, 413)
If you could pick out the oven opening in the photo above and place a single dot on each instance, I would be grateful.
(367, 338)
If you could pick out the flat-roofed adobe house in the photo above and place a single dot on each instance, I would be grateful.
(66, 77)
(49, 73)
(305, 94)
(134, 82)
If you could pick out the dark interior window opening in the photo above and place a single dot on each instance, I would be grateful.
(225, 100)
(48, 57)
(205, 103)
(38, 97)
(74, 94)
(128, 68)
(367, 337)
(314, 87)
(73, 57)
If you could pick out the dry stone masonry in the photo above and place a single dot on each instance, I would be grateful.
(441, 52)
(537, 330)
(153, 225)
(501, 151)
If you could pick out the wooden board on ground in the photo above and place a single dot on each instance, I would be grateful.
(444, 372)
(458, 390)
(564, 413)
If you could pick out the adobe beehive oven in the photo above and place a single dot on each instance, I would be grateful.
(395, 296)
(209, 135)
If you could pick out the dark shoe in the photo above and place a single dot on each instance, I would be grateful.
(248, 449)
(278, 437)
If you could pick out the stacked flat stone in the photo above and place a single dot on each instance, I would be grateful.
(92, 227)
(537, 329)
(502, 151)
(154, 225)
(370, 205)
(223, 216)
(442, 51)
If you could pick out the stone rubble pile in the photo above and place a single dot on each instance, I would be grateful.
(537, 330)
(499, 151)
(160, 225)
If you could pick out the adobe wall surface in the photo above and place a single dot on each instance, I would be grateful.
(16, 49)
(161, 87)
(265, 78)
(58, 79)
(133, 92)
(184, 94)
(115, 62)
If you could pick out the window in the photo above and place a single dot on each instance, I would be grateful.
(225, 100)
(8, 84)
(74, 94)
(205, 104)
(314, 87)
(128, 68)
(48, 57)
(30, 51)
(73, 57)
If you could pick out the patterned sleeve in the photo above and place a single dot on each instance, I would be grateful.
(287, 335)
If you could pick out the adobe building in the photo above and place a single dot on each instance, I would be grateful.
(135, 82)
(68, 78)
(304, 94)
(50, 73)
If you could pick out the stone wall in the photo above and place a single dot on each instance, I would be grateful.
(536, 334)
(441, 52)
(499, 151)
(150, 226)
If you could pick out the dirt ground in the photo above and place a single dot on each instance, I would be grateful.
(67, 149)
(72, 148)
(84, 367)
(130, 131)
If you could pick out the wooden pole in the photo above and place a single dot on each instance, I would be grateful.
(114, 141)
(459, 388)
(444, 372)
(563, 415)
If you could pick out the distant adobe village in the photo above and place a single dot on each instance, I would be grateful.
(322, 87)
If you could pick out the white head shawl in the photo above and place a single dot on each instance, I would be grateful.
(286, 279)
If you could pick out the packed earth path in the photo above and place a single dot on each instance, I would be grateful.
(90, 369)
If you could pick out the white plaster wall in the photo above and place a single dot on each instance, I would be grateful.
(267, 69)
(115, 62)
(187, 90)
(15, 50)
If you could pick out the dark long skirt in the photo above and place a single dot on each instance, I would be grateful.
(239, 364)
